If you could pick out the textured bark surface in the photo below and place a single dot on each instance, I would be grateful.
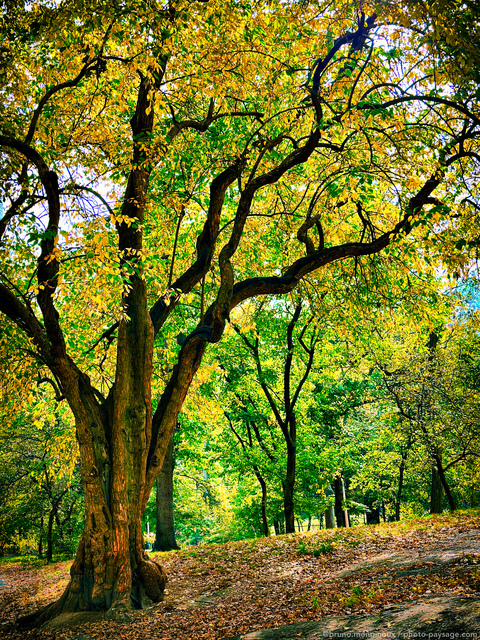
(330, 518)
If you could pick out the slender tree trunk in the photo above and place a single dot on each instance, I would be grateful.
(398, 500)
(51, 519)
(441, 472)
(40, 539)
(288, 489)
(339, 511)
(436, 491)
(263, 485)
(165, 529)
(345, 510)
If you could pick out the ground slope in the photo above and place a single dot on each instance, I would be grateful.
(361, 576)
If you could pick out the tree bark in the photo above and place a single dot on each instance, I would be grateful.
(441, 475)
(288, 489)
(263, 485)
(436, 492)
(111, 570)
(339, 510)
(398, 500)
(40, 540)
(330, 518)
(345, 510)
(51, 517)
(330, 512)
(165, 529)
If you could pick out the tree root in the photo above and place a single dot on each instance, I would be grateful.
(149, 588)
(154, 579)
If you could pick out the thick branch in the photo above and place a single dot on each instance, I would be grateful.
(218, 312)
(14, 210)
(303, 266)
(47, 263)
(165, 417)
(24, 318)
(205, 246)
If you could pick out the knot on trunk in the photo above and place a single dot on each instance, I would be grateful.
(154, 579)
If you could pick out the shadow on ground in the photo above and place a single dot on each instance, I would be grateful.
(433, 619)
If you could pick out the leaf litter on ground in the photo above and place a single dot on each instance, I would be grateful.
(219, 590)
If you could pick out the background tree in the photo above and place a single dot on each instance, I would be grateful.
(164, 522)
(283, 388)
(41, 495)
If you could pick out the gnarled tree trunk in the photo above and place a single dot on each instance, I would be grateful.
(111, 570)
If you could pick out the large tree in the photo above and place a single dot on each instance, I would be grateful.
(163, 162)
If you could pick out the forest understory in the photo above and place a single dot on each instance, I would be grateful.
(220, 590)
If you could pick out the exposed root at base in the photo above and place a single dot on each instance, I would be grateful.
(74, 606)
(154, 579)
